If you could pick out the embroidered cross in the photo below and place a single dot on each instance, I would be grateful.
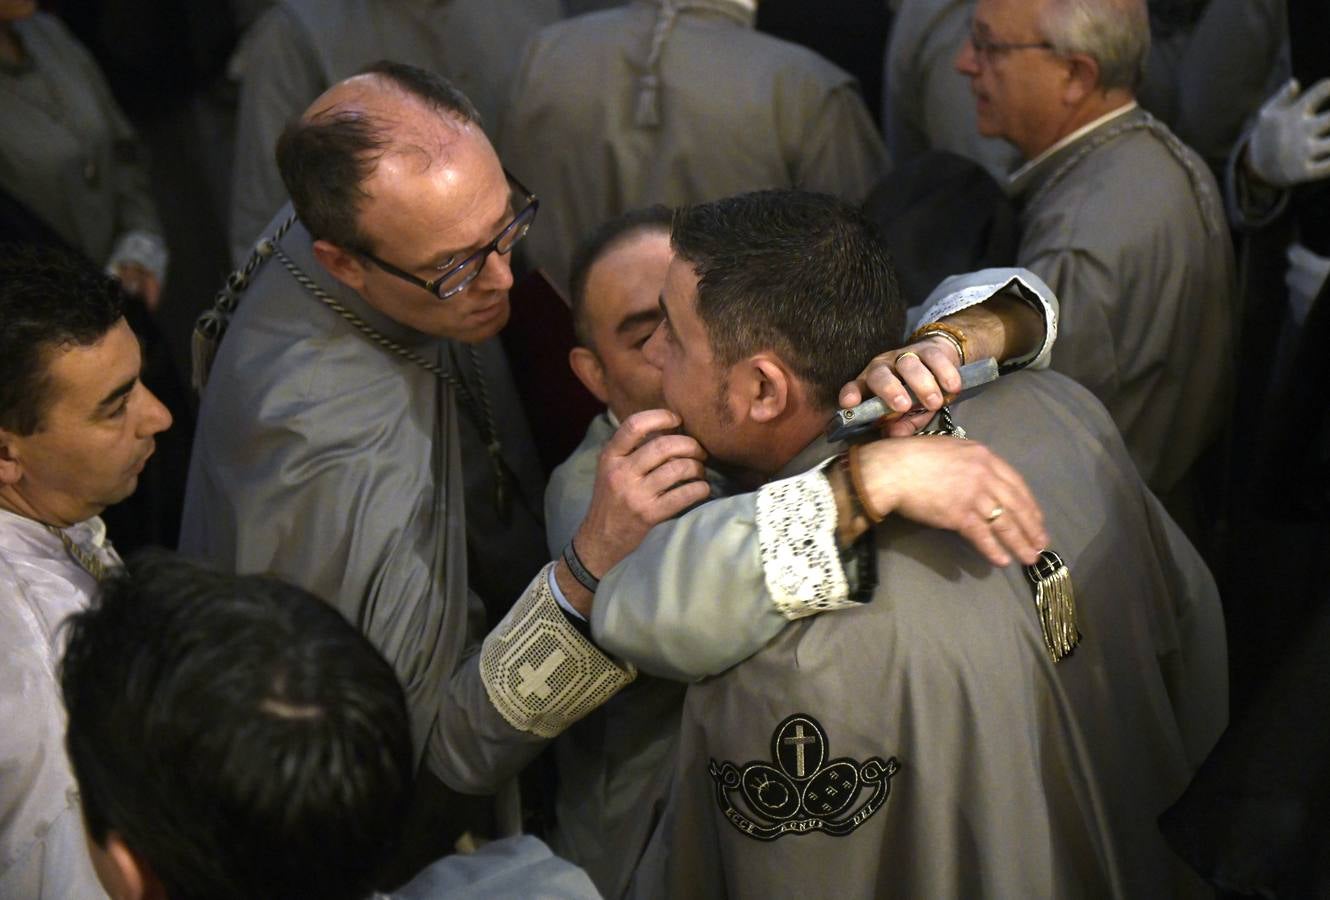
(535, 683)
(798, 741)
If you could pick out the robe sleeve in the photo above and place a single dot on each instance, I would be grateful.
(961, 292)
(775, 559)
(534, 676)
(281, 76)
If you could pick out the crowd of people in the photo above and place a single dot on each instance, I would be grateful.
(508, 545)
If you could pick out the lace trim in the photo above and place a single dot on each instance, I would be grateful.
(539, 672)
(1020, 283)
(796, 535)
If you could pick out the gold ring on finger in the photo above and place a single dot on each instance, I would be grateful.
(907, 353)
(995, 514)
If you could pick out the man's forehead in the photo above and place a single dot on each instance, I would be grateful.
(84, 373)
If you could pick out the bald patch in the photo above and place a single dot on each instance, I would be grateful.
(417, 135)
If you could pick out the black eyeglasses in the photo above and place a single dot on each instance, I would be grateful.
(457, 278)
(987, 49)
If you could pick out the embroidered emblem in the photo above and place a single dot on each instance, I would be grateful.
(804, 791)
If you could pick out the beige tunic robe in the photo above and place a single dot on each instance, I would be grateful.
(323, 458)
(1126, 225)
(738, 111)
(924, 744)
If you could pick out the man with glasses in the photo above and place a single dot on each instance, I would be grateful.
(1121, 220)
(331, 437)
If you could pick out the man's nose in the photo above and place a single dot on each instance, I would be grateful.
(497, 273)
(967, 60)
(156, 417)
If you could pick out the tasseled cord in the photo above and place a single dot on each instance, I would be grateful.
(212, 324)
(647, 113)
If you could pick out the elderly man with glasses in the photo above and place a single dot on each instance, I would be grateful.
(1121, 220)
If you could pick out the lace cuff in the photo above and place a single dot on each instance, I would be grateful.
(539, 672)
(796, 536)
(963, 291)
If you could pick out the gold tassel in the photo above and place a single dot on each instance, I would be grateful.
(205, 340)
(1055, 600)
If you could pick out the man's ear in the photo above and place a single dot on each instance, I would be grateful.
(11, 466)
(343, 265)
(586, 366)
(123, 873)
(1082, 78)
(769, 388)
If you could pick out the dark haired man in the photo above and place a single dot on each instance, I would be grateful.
(76, 427)
(613, 765)
(924, 743)
(236, 737)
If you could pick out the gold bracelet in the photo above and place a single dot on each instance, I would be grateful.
(857, 485)
(951, 333)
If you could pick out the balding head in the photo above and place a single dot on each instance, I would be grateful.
(328, 156)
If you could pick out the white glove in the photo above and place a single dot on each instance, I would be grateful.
(1290, 142)
(1306, 274)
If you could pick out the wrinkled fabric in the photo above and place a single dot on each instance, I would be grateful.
(1014, 776)
(681, 620)
(739, 111)
(68, 153)
(1148, 297)
(42, 851)
(329, 461)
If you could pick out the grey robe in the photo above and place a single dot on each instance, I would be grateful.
(738, 111)
(66, 150)
(937, 750)
(1126, 226)
(614, 764)
(302, 47)
(329, 461)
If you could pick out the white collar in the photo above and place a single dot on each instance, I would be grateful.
(1071, 138)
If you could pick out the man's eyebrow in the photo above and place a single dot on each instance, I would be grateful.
(637, 318)
(453, 256)
(120, 391)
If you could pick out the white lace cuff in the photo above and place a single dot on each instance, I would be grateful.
(539, 672)
(963, 291)
(796, 535)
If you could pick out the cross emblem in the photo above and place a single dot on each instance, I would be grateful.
(798, 740)
(535, 682)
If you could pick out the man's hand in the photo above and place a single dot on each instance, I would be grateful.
(955, 485)
(645, 476)
(931, 369)
(138, 280)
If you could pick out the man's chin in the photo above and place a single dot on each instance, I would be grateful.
(481, 325)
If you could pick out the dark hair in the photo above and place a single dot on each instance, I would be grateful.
(236, 732)
(49, 299)
(326, 159)
(803, 274)
(604, 239)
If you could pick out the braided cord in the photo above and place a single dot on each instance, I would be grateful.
(1208, 202)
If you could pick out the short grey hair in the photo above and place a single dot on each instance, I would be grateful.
(1115, 33)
